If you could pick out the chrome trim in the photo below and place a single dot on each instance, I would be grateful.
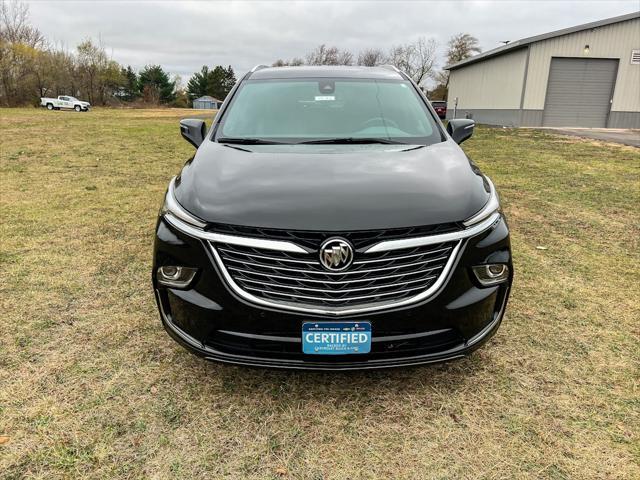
(171, 206)
(175, 283)
(353, 272)
(401, 257)
(332, 282)
(286, 246)
(388, 338)
(492, 205)
(260, 66)
(266, 257)
(279, 245)
(242, 293)
(326, 290)
(433, 239)
(361, 297)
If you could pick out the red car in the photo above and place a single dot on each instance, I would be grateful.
(440, 106)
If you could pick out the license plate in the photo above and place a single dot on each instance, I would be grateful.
(336, 338)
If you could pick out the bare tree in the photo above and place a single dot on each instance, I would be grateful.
(15, 27)
(461, 46)
(324, 55)
(19, 51)
(294, 62)
(416, 59)
(371, 57)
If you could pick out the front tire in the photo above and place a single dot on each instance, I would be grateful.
(49, 106)
(77, 108)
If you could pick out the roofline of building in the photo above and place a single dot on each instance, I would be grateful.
(511, 46)
(207, 97)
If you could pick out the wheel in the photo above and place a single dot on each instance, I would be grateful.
(49, 106)
(77, 108)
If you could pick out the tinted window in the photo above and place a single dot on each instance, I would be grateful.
(294, 110)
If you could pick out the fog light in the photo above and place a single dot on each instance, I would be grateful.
(176, 277)
(491, 274)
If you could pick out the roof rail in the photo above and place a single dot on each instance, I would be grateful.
(259, 67)
(391, 67)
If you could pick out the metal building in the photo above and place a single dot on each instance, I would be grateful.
(583, 76)
(207, 102)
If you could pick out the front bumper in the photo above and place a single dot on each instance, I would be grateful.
(211, 321)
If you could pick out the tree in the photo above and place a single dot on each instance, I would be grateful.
(100, 77)
(198, 83)
(216, 83)
(20, 44)
(294, 62)
(130, 89)
(371, 57)
(324, 55)
(459, 47)
(15, 27)
(416, 59)
(228, 81)
(155, 85)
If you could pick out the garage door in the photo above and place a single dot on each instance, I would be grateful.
(579, 92)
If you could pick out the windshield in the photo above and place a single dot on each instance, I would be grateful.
(333, 110)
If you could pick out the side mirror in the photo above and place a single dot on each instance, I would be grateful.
(460, 129)
(193, 130)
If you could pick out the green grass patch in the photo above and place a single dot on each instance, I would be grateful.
(92, 387)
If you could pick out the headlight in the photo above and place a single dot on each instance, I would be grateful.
(172, 207)
(492, 206)
(491, 274)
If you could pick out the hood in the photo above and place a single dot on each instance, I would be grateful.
(331, 187)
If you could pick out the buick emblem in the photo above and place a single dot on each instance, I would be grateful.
(336, 254)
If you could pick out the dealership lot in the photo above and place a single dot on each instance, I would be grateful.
(91, 386)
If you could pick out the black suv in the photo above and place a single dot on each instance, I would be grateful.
(328, 221)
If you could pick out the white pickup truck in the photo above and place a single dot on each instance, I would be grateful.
(64, 101)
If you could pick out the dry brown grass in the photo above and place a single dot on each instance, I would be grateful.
(92, 387)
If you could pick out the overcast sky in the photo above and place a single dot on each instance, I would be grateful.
(182, 36)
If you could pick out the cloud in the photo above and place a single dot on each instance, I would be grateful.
(183, 36)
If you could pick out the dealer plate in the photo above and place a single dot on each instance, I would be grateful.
(336, 338)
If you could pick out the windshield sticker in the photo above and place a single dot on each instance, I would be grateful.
(325, 98)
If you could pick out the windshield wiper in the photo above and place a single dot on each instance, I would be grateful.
(350, 140)
(247, 141)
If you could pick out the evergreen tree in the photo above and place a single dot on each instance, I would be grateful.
(216, 83)
(130, 90)
(198, 84)
(155, 85)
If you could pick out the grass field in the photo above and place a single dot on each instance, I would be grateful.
(92, 387)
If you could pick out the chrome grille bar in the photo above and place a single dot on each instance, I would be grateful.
(401, 257)
(293, 287)
(321, 272)
(330, 282)
(362, 297)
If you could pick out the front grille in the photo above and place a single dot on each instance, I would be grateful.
(312, 239)
(299, 279)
